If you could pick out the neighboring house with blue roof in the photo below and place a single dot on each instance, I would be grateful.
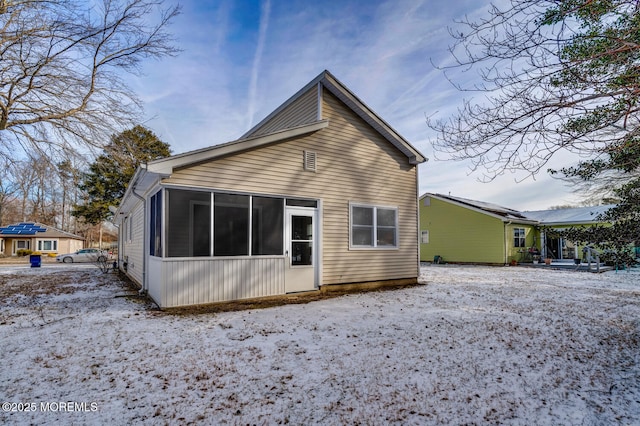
(37, 237)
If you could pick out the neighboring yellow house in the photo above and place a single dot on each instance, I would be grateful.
(460, 230)
(37, 237)
(467, 231)
(320, 193)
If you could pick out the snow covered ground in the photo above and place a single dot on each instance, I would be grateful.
(474, 345)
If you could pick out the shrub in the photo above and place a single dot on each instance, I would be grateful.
(24, 252)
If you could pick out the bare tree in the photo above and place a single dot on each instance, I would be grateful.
(551, 76)
(557, 75)
(8, 187)
(62, 64)
(69, 176)
(25, 178)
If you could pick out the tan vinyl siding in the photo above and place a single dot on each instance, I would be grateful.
(354, 164)
(134, 249)
(303, 111)
(179, 282)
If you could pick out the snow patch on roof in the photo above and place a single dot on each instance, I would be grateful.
(488, 207)
(568, 215)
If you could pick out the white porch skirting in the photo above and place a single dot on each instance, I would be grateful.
(174, 282)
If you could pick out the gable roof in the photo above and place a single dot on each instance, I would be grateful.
(252, 140)
(149, 174)
(34, 229)
(328, 81)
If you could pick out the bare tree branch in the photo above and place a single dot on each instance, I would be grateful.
(547, 82)
(62, 64)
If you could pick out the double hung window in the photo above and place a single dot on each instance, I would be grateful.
(373, 226)
(518, 237)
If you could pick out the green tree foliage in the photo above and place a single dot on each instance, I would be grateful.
(558, 76)
(106, 181)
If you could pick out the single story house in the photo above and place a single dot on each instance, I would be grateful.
(37, 237)
(461, 230)
(320, 193)
(557, 219)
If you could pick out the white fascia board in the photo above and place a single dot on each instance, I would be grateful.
(326, 79)
(367, 114)
(127, 194)
(570, 223)
(166, 166)
(140, 183)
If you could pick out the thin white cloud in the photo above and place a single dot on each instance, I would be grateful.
(257, 58)
(235, 69)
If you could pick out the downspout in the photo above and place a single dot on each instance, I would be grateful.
(506, 243)
(418, 214)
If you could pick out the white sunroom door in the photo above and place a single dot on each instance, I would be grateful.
(300, 250)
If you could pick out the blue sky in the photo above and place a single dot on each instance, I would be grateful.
(242, 59)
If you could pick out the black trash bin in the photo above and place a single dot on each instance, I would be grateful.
(36, 260)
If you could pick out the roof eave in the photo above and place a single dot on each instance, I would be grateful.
(485, 212)
(168, 165)
(368, 115)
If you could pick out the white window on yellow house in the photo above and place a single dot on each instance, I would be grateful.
(519, 237)
(424, 237)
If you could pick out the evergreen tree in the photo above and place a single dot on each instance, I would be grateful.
(559, 76)
(106, 181)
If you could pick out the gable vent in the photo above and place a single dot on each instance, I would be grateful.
(310, 161)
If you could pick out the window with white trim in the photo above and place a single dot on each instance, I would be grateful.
(373, 226)
(47, 245)
(518, 237)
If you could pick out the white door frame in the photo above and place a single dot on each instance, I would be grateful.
(301, 277)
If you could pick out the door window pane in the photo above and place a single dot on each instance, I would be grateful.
(231, 225)
(301, 240)
(267, 223)
(301, 228)
(294, 202)
(301, 253)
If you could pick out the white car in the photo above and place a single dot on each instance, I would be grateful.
(83, 255)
